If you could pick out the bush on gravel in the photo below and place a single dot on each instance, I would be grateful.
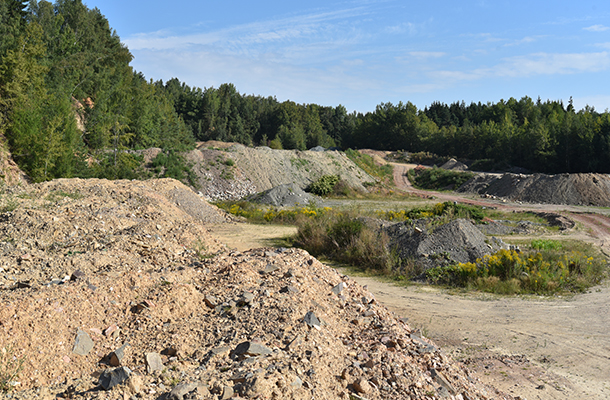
(547, 267)
(437, 178)
(324, 185)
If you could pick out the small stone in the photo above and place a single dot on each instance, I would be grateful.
(251, 349)
(117, 355)
(311, 320)
(289, 289)
(441, 380)
(111, 378)
(297, 383)
(154, 362)
(76, 275)
(227, 393)
(362, 386)
(110, 330)
(245, 298)
(339, 288)
(220, 350)
(82, 344)
(135, 384)
(184, 389)
(210, 301)
(270, 268)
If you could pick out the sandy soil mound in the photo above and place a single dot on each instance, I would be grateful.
(113, 286)
(288, 195)
(570, 189)
(234, 172)
(458, 241)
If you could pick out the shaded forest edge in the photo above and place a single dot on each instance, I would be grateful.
(72, 106)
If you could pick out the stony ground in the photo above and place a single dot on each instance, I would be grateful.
(230, 171)
(117, 290)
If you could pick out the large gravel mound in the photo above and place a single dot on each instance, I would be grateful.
(570, 189)
(458, 241)
(288, 195)
(110, 290)
(237, 171)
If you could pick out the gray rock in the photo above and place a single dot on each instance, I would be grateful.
(154, 362)
(182, 390)
(339, 288)
(441, 380)
(251, 349)
(311, 320)
(82, 344)
(227, 393)
(245, 298)
(117, 355)
(113, 377)
(270, 268)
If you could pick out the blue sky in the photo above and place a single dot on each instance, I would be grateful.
(361, 53)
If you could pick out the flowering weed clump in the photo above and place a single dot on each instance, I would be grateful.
(553, 269)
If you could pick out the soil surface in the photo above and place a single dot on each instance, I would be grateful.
(118, 290)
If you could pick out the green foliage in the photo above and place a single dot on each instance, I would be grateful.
(548, 271)
(438, 178)
(384, 173)
(324, 185)
(171, 164)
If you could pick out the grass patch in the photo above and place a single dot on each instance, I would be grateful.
(58, 195)
(545, 267)
(383, 173)
(437, 178)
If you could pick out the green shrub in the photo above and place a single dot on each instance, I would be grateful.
(173, 165)
(324, 185)
(437, 178)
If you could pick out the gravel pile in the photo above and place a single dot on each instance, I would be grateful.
(109, 290)
(287, 195)
(458, 241)
(569, 189)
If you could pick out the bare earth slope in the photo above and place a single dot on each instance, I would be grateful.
(111, 290)
(257, 169)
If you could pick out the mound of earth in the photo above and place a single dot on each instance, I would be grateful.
(454, 165)
(569, 189)
(112, 290)
(458, 241)
(237, 171)
(287, 195)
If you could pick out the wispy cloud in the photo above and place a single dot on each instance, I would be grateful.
(596, 28)
(532, 65)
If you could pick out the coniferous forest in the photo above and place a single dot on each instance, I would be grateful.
(72, 106)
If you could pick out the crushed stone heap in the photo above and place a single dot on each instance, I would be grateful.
(287, 195)
(115, 292)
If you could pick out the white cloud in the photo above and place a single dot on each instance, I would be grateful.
(603, 45)
(596, 28)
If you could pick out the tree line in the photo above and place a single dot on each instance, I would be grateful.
(72, 106)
